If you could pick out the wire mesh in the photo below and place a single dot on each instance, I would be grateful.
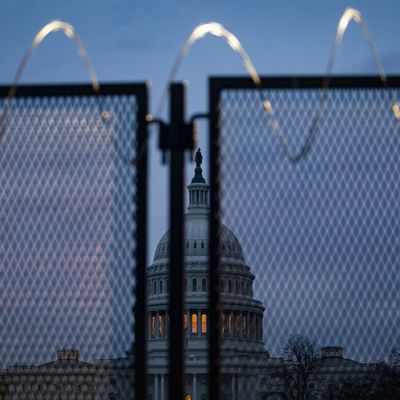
(320, 236)
(66, 247)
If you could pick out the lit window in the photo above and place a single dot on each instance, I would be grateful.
(194, 323)
(161, 327)
(194, 285)
(153, 326)
(187, 397)
(203, 323)
(237, 325)
(244, 320)
(185, 322)
(204, 285)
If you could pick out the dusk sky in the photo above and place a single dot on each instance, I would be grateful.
(139, 41)
(134, 41)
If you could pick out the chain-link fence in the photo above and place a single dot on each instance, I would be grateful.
(321, 236)
(67, 242)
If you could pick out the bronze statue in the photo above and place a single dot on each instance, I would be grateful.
(198, 158)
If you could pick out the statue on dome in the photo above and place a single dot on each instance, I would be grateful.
(198, 158)
(198, 172)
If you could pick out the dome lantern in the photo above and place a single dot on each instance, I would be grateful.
(198, 189)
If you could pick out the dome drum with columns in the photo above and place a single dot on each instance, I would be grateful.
(242, 347)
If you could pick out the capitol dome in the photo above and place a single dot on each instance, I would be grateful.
(197, 242)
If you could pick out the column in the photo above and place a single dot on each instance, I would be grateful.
(233, 387)
(156, 387)
(194, 397)
(157, 328)
(199, 323)
(162, 386)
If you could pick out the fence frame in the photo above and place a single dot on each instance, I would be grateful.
(140, 91)
(216, 86)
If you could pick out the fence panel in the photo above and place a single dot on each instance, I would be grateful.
(69, 240)
(321, 236)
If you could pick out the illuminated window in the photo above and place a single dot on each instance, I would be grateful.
(161, 325)
(194, 285)
(185, 322)
(244, 321)
(203, 323)
(237, 325)
(187, 397)
(153, 326)
(194, 323)
(203, 284)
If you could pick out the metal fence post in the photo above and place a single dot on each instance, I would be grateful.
(176, 259)
(214, 272)
(141, 251)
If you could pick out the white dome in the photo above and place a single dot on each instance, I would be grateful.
(197, 242)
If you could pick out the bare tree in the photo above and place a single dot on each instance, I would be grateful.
(388, 378)
(300, 361)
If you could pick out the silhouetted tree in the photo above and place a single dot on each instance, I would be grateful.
(388, 378)
(300, 361)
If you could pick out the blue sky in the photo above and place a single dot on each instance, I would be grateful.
(130, 41)
(139, 40)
